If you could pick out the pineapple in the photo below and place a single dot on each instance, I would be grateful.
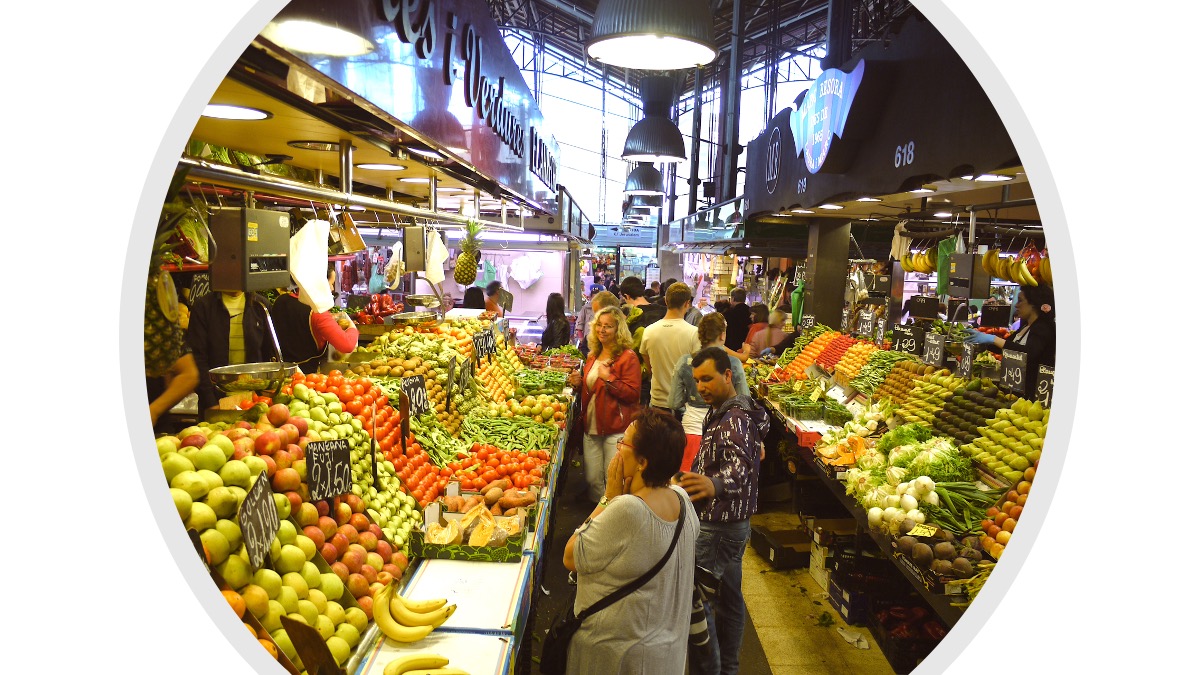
(466, 267)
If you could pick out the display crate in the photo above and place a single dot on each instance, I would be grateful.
(784, 549)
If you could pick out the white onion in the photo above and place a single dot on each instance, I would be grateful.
(889, 514)
(892, 501)
(908, 502)
(902, 489)
(924, 485)
(875, 517)
(931, 498)
(916, 516)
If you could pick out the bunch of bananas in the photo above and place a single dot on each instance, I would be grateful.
(421, 663)
(405, 620)
(1013, 269)
(924, 262)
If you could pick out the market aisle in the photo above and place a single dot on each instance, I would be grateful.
(786, 605)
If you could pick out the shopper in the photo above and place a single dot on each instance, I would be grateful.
(558, 329)
(640, 314)
(227, 328)
(653, 294)
(583, 318)
(723, 485)
(599, 301)
(769, 336)
(492, 301)
(684, 397)
(626, 535)
(170, 367)
(611, 386)
(738, 319)
(667, 340)
(473, 299)
(1037, 335)
(758, 320)
(306, 334)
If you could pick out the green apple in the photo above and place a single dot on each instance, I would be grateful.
(235, 473)
(331, 586)
(355, 616)
(210, 477)
(257, 602)
(287, 533)
(232, 532)
(311, 574)
(270, 580)
(240, 493)
(282, 505)
(256, 466)
(236, 572)
(191, 483)
(174, 464)
(317, 598)
(284, 642)
(183, 502)
(289, 599)
(348, 633)
(224, 443)
(210, 457)
(216, 544)
(324, 626)
(291, 559)
(335, 612)
(339, 648)
(308, 611)
(201, 518)
(296, 582)
(307, 545)
(166, 444)
(223, 501)
(271, 620)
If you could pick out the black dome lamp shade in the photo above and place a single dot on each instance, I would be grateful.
(655, 138)
(652, 34)
(644, 180)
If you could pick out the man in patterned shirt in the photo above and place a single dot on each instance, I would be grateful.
(723, 485)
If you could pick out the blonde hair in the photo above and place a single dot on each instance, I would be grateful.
(710, 328)
(624, 337)
(605, 299)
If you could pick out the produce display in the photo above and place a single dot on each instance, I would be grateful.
(898, 384)
(874, 373)
(833, 352)
(1011, 442)
(929, 396)
(380, 305)
(854, 359)
(794, 370)
(970, 408)
(534, 382)
(512, 432)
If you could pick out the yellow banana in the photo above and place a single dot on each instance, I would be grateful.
(989, 262)
(411, 662)
(1045, 272)
(439, 671)
(904, 263)
(1026, 275)
(930, 263)
(382, 613)
(406, 616)
(421, 606)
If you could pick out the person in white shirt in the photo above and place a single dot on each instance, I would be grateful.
(665, 341)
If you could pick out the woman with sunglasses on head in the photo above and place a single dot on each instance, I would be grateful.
(611, 384)
(1036, 336)
(628, 533)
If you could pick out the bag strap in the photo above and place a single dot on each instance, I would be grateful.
(642, 580)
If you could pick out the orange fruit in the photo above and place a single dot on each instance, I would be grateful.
(236, 602)
(251, 629)
(270, 647)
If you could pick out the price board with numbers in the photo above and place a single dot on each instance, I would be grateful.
(328, 467)
(485, 344)
(1043, 391)
(463, 374)
(259, 520)
(866, 321)
(934, 352)
(807, 321)
(846, 320)
(967, 361)
(908, 339)
(1012, 370)
(880, 329)
(418, 397)
(924, 307)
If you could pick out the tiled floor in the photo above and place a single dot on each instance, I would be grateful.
(785, 606)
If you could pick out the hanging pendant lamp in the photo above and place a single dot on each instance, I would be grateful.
(644, 180)
(655, 139)
(653, 34)
(322, 28)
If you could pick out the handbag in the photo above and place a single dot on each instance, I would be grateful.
(558, 638)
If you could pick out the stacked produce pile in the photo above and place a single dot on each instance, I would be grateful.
(1001, 521)
(898, 385)
(523, 431)
(929, 395)
(971, 408)
(873, 374)
(535, 382)
(1011, 442)
(562, 359)
(834, 351)
(795, 369)
(854, 359)
(411, 353)
(803, 341)
(495, 373)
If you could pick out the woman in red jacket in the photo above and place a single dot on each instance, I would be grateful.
(612, 384)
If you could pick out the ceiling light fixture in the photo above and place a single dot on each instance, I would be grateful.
(661, 35)
(319, 146)
(221, 111)
(320, 27)
(421, 152)
(655, 138)
(869, 199)
(644, 180)
(991, 178)
(942, 214)
(922, 191)
(831, 207)
(413, 179)
(373, 166)
(801, 211)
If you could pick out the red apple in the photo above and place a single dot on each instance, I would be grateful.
(301, 425)
(264, 426)
(289, 432)
(400, 560)
(308, 516)
(193, 441)
(353, 562)
(243, 424)
(245, 444)
(340, 542)
(370, 573)
(313, 532)
(327, 526)
(302, 442)
(384, 578)
(367, 540)
(239, 453)
(348, 532)
(282, 458)
(323, 508)
(339, 569)
(267, 443)
(384, 549)
(278, 414)
(375, 530)
(374, 560)
(270, 465)
(235, 433)
(366, 604)
(359, 522)
(359, 549)
(390, 570)
(358, 585)
(292, 496)
(329, 553)
(296, 452)
(357, 505)
(342, 513)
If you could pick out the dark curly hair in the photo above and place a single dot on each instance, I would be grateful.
(660, 441)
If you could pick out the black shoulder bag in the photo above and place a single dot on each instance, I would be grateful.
(558, 638)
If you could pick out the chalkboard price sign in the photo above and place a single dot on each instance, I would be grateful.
(418, 398)
(866, 320)
(880, 329)
(845, 320)
(807, 321)
(935, 350)
(485, 344)
(1044, 385)
(259, 520)
(1012, 370)
(450, 377)
(924, 307)
(967, 361)
(908, 339)
(463, 375)
(328, 466)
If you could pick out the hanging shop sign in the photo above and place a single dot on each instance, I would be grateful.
(442, 68)
(898, 112)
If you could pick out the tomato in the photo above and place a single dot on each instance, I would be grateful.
(489, 476)
(345, 393)
(537, 471)
(358, 387)
(503, 469)
(336, 379)
(479, 484)
(493, 462)
(354, 406)
(385, 446)
(441, 484)
(529, 465)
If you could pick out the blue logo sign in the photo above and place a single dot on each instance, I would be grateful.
(822, 114)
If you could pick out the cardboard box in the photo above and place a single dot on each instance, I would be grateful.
(832, 532)
(784, 549)
(854, 606)
(818, 565)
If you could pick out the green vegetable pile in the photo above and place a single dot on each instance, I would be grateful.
(961, 507)
(441, 446)
(568, 350)
(533, 382)
(508, 433)
(871, 376)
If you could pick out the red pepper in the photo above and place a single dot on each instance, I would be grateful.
(902, 632)
(934, 630)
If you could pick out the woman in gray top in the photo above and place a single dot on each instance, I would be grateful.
(628, 533)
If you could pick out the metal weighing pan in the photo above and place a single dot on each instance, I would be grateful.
(251, 376)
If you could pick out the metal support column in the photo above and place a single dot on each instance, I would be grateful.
(732, 97)
(825, 271)
(694, 159)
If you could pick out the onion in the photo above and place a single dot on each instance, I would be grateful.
(931, 498)
(889, 514)
(924, 485)
(908, 502)
(903, 488)
(892, 500)
(916, 516)
(875, 517)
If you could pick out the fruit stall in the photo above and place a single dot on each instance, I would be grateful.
(386, 517)
(910, 470)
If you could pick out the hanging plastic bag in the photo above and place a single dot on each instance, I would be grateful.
(946, 248)
(526, 270)
(309, 263)
(395, 267)
(436, 255)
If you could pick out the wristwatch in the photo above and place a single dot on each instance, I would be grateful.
(603, 501)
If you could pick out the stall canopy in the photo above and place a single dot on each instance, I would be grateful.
(899, 115)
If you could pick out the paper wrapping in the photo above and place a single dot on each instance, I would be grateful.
(309, 264)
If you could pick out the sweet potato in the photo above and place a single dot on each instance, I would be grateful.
(496, 509)
(492, 496)
(511, 512)
(514, 498)
(454, 504)
(502, 483)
